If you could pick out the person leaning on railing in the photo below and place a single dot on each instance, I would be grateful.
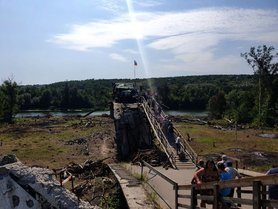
(207, 174)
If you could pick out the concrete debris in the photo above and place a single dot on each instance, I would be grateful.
(93, 182)
(35, 187)
(87, 170)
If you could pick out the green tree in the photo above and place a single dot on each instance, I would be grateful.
(240, 106)
(65, 104)
(217, 105)
(261, 60)
(25, 101)
(45, 99)
(8, 100)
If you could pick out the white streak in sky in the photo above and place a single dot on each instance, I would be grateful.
(118, 57)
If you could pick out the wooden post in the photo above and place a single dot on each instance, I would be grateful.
(216, 199)
(176, 195)
(263, 194)
(194, 202)
(256, 194)
(142, 166)
(238, 191)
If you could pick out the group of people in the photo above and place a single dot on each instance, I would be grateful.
(223, 170)
(220, 171)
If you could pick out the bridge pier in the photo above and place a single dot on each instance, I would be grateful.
(132, 129)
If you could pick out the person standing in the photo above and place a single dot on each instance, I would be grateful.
(273, 189)
(223, 160)
(178, 144)
(224, 176)
(234, 173)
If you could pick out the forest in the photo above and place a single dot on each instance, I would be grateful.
(251, 99)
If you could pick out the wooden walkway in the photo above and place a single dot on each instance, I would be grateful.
(167, 141)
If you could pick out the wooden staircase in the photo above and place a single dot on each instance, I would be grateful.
(183, 163)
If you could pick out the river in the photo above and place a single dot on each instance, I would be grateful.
(40, 113)
(58, 113)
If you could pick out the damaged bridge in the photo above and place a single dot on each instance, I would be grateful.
(140, 120)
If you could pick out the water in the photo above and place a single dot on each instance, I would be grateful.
(187, 113)
(98, 113)
(58, 113)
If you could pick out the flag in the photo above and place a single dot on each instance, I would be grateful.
(135, 63)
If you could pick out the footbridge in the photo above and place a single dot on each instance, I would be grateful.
(159, 123)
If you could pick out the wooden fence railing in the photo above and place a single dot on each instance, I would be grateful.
(250, 191)
(254, 187)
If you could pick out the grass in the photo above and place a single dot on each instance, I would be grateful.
(209, 141)
(42, 141)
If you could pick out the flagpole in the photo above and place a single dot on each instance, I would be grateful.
(134, 76)
(134, 66)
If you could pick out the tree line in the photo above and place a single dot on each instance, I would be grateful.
(240, 98)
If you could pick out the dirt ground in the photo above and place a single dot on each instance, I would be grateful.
(55, 142)
(99, 144)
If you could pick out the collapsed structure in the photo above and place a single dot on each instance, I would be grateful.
(132, 129)
(24, 187)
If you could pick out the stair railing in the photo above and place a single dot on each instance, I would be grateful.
(159, 133)
(187, 148)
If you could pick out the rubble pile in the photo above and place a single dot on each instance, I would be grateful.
(93, 182)
(87, 170)
(37, 186)
(154, 157)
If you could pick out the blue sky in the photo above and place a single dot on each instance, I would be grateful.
(43, 42)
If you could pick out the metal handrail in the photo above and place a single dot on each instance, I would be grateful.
(159, 133)
(187, 148)
(184, 145)
(174, 184)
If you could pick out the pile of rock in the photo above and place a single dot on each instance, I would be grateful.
(34, 186)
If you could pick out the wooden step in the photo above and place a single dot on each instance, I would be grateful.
(184, 164)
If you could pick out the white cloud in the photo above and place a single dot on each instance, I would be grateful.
(131, 51)
(224, 23)
(118, 57)
(185, 35)
(148, 3)
(203, 64)
(113, 6)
